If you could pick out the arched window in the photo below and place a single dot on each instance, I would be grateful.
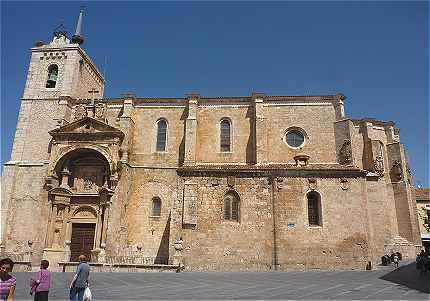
(161, 135)
(314, 209)
(156, 206)
(225, 137)
(52, 76)
(231, 206)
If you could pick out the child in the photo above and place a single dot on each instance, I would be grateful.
(396, 260)
(43, 282)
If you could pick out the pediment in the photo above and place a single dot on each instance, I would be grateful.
(87, 129)
(62, 191)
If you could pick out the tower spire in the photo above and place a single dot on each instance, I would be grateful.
(77, 38)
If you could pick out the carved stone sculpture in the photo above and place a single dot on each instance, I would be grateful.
(345, 153)
(378, 154)
(178, 257)
(378, 165)
(344, 184)
(80, 112)
(100, 111)
(312, 184)
(88, 183)
(397, 170)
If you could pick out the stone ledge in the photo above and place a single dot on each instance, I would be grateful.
(22, 266)
(122, 267)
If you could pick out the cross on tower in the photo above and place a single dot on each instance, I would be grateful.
(93, 91)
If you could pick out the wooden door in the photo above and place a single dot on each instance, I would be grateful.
(82, 240)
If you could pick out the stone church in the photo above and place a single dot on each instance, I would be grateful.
(257, 182)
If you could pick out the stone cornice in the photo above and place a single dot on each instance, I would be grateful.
(373, 122)
(279, 170)
(234, 100)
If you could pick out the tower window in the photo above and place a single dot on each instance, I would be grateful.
(161, 135)
(156, 206)
(231, 206)
(52, 76)
(314, 209)
(225, 137)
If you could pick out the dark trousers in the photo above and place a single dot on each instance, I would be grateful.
(77, 293)
(41, 296)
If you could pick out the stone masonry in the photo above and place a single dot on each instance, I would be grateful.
(87, 174)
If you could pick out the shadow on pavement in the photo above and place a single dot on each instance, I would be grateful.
(409, 276)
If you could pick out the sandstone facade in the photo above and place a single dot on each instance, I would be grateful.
(422, 196)
(286, 181)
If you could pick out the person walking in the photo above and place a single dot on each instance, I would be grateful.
(7, 281)
(40, 286)
(80, 280)
(396, 260)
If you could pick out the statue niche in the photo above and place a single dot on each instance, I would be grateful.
(88, 175)
(87, 171)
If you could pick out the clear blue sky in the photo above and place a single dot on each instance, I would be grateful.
(376, 53)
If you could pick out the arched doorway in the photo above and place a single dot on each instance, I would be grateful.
(80, 204)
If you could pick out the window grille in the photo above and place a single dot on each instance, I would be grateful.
(314, 209)
(156, 207)
(161, 136)
(295, 139)
(225, 135)
(231, 206)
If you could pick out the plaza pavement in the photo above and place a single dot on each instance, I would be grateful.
(384, 283)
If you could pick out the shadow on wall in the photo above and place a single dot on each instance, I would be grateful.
(163, 250)
(409, 276)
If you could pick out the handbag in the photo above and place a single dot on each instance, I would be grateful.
(87, 294)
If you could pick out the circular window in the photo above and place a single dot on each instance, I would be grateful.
(295, 138)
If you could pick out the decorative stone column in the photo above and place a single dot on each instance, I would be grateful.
(65, 173)
(102, 254)
(105, 224)
(50, 234)
(29, 251)
(67, 251)
(99, 227)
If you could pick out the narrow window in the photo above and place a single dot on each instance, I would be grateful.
(52, 76)
(156, 206)
(225, 135)
(314, 209)
(231, 206)
(161, 135)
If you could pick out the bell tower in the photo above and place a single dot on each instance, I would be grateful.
(62, 68)
(58, 70)
(59, 74)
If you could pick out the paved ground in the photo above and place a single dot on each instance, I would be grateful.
(403, 283)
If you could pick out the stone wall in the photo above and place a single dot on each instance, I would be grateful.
(214, 243)
(146, 231)
(27, 213)
(208, 134)
(143, 151)
(329, 245)
(364, 202)
(317, 122)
